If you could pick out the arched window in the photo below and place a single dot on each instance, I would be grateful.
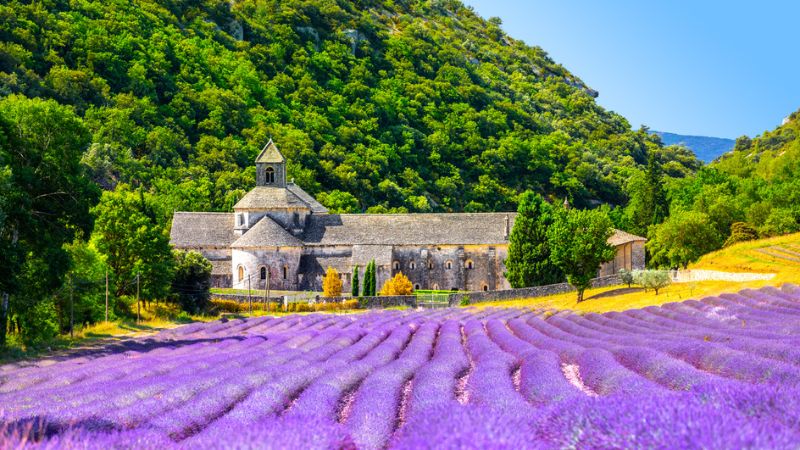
(448, 265)
(430, 265)
(285, 272)
(263, 273)
(485, 287)
(435, 287)
(412, 265)
(468, 264)
(269, 175)
(241, 273)
(416, 287)
(396, 265)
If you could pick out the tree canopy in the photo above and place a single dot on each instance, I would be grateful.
(528, 262)
(578, 242)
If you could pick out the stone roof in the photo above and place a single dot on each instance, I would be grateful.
(316, 207)
(270, 154)
(623, 237)
(407, 229)
(201, 229)
(273, 197)
(193, 230)
(266, 233)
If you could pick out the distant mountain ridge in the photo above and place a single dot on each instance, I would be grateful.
(706, 148)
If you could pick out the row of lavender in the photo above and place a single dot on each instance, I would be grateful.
(723, 372)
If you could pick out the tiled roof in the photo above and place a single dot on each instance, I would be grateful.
(623, 237)
(266, 233)
(201, 229)
(191, 230)
(270, 154)
(273, 197)
(316, 207)
(407, 229)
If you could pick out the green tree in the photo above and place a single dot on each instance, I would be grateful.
(86, 286)
(652, 279)
(683, 238)
(741, 232)
(370, 281)
(528, 262)
(655, 207)
(192, 281)
(133, 243)
(579, 245)
(354, 282)
(45, 196)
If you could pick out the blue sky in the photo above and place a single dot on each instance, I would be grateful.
(699, 67)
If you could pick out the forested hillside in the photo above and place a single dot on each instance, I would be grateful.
(756, 186)
(379, 105)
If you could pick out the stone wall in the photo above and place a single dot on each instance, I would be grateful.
(257, 297)
(385, 301)
(523, 293)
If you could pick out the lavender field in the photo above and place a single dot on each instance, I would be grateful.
(722, 372)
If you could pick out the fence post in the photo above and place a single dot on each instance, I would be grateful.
(138, 303)
(106, 295)
(249, 300)
(71, 310)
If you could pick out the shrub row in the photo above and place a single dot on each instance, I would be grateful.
(231, 306)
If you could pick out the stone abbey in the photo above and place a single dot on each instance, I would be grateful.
(281, 234)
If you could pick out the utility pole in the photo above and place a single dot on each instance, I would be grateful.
(106, 295)
(249, 300)
(138, 303)
(71, 310)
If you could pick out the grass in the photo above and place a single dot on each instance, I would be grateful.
(743, 257)
(751, 257)
(154, 319)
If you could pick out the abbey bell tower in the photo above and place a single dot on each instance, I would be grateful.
(271, 167)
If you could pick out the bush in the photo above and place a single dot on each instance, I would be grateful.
(652, 279)
(741, 232)
(39, 323)
(183, 317)
(626, 276)
(399, 285)
(192, 281)
(219, 305)
(331, 283)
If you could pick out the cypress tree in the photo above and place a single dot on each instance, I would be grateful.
(355, 282)
(528, 263)
(656, 204)
(369, 280)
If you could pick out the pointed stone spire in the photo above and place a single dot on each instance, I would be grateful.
(566, 203)
(271, 166)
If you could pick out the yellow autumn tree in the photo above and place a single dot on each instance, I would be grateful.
(399, 285)
(331, 284)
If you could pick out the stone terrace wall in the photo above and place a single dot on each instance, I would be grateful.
(381, 301)
(531, 292)
(242, 298)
